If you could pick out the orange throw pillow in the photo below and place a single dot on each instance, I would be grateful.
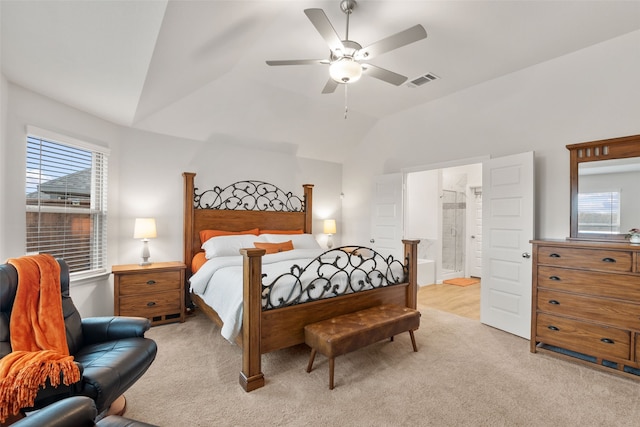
(207, 234)
(273, 248)
(281, 231)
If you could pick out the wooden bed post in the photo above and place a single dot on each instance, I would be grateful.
(251, 376)
(188, 219)
(411, 254)
(308, 211)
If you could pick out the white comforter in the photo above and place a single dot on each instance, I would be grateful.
(219, 280)
(219, 283)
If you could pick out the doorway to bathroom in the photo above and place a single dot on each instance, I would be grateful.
(444, 210)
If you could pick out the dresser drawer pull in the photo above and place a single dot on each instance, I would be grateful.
(151, 304)
(608, 260)
(607, 340)
(151, 282)
(554, 255)
(553, 328)
(554, 302)
(556, 278)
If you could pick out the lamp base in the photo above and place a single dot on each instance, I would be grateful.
(145, 252)
(329, 241)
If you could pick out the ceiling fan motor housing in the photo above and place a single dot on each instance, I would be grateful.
(347, 6)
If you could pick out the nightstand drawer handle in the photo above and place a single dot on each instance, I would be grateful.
(151, 282)
(553, 328)
(554, 255)
(151, 304)
(608, 260)
(607, 340)
(556, 278)
(554, 302)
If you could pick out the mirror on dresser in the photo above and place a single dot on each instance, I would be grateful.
(605, 181)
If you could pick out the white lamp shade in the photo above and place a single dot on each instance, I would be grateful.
(345, 70)
(329, 226)
(145, 228)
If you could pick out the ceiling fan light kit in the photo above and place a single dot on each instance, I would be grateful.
(346, 56)
(345, 70)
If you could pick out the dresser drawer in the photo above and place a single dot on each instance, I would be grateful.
(587, 338)
(137, 283)
(590, 259)
(151, 305)
(621, 314)
(590, 282)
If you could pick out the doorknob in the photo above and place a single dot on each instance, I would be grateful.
(372, 241)
(526, 255)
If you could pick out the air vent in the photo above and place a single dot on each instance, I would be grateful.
(419, 81)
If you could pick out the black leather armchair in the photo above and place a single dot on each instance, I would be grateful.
(112, 352)
(78, 411)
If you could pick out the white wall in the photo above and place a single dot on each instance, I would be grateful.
(588, 95)
(151, 168)
(422, 205)
(145, 178)
(3, 156)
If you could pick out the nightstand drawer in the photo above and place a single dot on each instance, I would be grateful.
(150, 281)
(151, 305)
(153, 291)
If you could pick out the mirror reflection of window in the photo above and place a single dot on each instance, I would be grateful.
(608, 201)
(599, 212)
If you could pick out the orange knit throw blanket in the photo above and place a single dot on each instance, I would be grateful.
(38, 336)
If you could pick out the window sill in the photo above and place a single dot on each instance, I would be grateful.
(79, 279)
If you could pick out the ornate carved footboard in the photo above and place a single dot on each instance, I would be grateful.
(281, 322)
(268, 330)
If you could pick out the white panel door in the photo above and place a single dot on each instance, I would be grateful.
(474, 248)
(386, 215)
(508, 224)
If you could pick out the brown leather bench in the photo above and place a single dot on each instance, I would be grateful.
(349, 332)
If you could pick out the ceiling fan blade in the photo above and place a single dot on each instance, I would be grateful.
(384, 75)
(403, 38)
(331, 86)
(319, 20)
(298, 62)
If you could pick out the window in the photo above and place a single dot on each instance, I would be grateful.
(599, 212)
(66, 194)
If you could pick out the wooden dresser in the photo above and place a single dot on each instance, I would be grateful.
(586, 302)
(154, 291)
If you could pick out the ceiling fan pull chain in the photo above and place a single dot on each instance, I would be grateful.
(346, 109)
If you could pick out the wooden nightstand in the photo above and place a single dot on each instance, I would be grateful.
(153, 291)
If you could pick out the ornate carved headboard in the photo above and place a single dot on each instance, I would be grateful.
(241, 206)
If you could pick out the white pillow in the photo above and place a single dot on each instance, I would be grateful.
(300, 241)
(229, 245)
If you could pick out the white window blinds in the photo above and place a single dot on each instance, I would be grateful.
(599, 212)
(66, 195)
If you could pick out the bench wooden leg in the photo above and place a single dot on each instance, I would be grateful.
(313, 356)
(413, 341)
(331, 365)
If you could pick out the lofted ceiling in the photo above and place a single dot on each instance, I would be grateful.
(196, 69)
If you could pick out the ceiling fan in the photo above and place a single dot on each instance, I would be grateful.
(347, 58)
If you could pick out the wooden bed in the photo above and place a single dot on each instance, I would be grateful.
(264, 331)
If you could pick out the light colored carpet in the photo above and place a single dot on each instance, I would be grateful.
(464, 374)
